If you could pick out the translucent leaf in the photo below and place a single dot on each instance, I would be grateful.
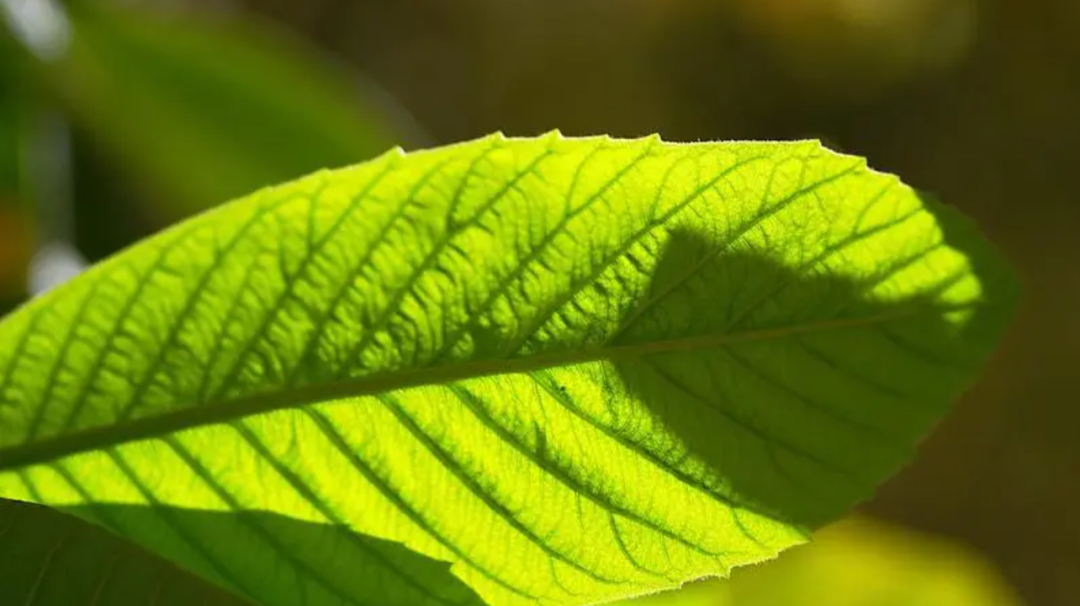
(575, 369)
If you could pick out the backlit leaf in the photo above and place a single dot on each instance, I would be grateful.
(575, 369)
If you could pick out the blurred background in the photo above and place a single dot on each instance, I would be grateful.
(118, 118)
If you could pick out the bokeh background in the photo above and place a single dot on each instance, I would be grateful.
(118, 118)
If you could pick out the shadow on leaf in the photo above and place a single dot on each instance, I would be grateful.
(794, 391)
(55, 559)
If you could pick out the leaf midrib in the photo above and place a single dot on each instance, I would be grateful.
(210, 413)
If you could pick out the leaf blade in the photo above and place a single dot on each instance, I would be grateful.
(454, 334)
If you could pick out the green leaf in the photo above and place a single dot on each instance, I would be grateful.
(40, 546)
(206, 107)
(576, 369)
(48, 558)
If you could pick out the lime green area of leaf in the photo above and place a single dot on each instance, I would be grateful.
(575, 369)
(203, 107)
(858, 562)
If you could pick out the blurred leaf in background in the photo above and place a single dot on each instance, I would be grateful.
(850, 51)
(857, 562)
(121, 118)
(15, 246)
(205, 106)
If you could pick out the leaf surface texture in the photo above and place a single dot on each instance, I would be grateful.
(574, 369)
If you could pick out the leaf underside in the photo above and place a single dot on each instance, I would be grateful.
(574, 369)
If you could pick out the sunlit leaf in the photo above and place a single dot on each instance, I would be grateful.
(576, 369)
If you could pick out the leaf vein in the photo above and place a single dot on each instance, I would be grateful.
(306, 491)
(504, 512)
(298, 564)
(233, 374)
(191, 301)
(634, 238)
(563, 474)
(740, 232)
(535, 254)
(219, 568)
(330, 431)
(431, 258)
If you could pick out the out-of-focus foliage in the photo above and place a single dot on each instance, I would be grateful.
(857, 562)
(173, 110)
(206, 107)
(850, 50)
(14, 224)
